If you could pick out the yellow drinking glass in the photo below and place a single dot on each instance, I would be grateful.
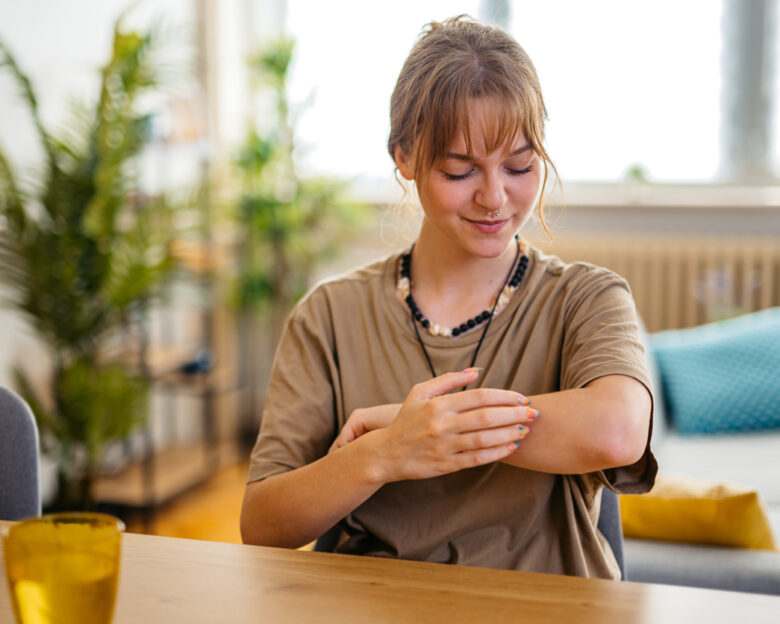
(63, 568)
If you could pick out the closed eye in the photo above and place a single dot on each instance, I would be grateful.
(462, 176)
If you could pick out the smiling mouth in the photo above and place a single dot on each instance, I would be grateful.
(487, 221)
(488, 227)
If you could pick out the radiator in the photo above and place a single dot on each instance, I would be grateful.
(681, 282)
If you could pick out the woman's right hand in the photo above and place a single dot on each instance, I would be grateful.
(363, 420)
(436, 433)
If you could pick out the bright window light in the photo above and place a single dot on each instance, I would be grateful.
(628, 85)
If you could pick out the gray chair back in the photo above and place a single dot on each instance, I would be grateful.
(609, 524)
(19, 481)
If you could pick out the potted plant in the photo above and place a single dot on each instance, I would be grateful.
(81, 254)
(288, 223)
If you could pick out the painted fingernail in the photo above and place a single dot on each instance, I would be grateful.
(533, 414)
(517, 443)
(472, 369)
(524, 400)
(523, 429)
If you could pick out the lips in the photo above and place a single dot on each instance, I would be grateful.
(488, 227)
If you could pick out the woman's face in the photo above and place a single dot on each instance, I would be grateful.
(477, 201)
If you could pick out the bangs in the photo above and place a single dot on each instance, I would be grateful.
(508, 118)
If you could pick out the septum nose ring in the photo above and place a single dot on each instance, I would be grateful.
(493, 213)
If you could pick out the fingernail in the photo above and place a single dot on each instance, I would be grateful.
(472, 369)
(533, 414)
(524, 400)
(517, 443)
(523, 429)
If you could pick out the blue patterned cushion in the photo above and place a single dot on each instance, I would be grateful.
(722, 377)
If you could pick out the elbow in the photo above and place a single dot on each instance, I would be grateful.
(622, 451)
(250, 525)
(246, 526)
(625, 441)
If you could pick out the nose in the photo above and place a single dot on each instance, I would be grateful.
(491, 194)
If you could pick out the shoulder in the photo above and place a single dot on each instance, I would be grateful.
(573, 279)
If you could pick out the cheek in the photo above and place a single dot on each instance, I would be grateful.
(441, 196)
(527, 187)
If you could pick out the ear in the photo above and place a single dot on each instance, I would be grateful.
(403, 163)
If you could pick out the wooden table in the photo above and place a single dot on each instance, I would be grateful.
(175, 581)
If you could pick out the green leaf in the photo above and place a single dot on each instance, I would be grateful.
(98, 403)
(81, 249)
(8, 60)
(11, 199)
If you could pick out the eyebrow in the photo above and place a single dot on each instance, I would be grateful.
(468, 158)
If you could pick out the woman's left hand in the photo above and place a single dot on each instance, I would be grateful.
(363, 420)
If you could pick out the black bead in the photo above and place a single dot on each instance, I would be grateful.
(418, 315)
(409, 300)
(463, 327)
(486, 315)
(455, 331)
(478, 319)
(471, 323)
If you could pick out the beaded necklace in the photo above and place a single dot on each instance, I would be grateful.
(509, 286)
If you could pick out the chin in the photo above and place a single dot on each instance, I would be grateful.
(491, 247)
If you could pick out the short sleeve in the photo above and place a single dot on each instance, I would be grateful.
(299, 422)
(602, 338)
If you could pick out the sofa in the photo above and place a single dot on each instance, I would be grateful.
(738, 453)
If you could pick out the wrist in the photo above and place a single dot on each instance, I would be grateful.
(372, 460)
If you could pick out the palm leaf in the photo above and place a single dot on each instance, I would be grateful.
(75, 269)
(8, 60)
(11, 199)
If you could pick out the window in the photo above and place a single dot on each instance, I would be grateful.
(630, 86)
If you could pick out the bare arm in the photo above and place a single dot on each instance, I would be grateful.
(603, 425)
(294, 508)
(434, 433)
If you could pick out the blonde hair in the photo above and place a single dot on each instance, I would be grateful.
(452, 63)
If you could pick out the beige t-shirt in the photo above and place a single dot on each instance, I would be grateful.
(350, 343)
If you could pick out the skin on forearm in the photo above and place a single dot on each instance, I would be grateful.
(278, 511)
(433, 433)
(603, 425)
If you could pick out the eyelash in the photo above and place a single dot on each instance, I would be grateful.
(451, 176)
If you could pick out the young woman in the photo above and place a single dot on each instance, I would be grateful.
(366, 424)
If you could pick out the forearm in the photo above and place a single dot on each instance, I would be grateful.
(294, 508)
(603, 425)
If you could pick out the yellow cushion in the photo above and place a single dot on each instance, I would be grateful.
(685, 509)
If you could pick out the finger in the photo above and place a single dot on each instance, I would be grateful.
(443, 384)
(480, 457)
(490, 438)
(492, 417)
(345, 437)
(482, 397)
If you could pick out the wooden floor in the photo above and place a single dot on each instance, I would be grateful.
(209, 512)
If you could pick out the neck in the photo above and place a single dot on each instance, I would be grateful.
(450, 284)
